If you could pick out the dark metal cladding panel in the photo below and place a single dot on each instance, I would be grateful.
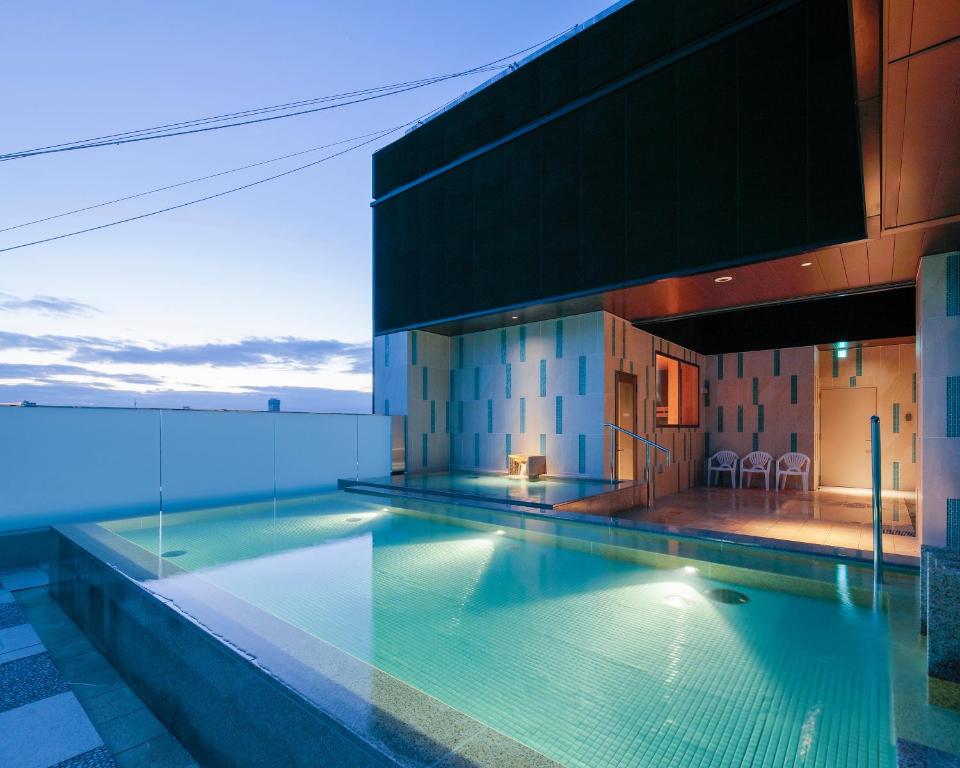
(739, 152)
(772, 135)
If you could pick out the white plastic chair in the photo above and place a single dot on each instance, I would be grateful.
(723, 461)
(756, 463)
(793, 465)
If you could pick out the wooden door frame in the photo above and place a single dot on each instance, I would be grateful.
(617, 436)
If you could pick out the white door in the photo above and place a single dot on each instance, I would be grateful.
(845, 436)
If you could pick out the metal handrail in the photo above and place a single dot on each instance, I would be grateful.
(648, 476)
(877, 501)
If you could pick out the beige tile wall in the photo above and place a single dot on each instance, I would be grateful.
(891, 370)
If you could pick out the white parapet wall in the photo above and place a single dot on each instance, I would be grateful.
(69, 464)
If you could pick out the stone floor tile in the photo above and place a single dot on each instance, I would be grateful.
(45, 732)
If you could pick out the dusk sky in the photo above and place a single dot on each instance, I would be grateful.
(260, 293)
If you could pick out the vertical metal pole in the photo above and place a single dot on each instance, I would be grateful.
(877, 501)
(613, 456)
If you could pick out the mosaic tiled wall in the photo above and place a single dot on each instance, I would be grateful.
(938, 362)
(763, 401)
(633, 351)
(412, 379)
(534, 388)
(892, 371)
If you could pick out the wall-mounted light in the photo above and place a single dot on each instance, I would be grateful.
(807, 264)
(724, 279)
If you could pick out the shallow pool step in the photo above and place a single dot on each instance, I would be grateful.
(433, 494)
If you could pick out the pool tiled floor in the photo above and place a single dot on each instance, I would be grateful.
(833, 517)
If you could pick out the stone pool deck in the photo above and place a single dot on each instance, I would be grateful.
(61, 703)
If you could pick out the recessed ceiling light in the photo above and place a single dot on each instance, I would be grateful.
(724, 279)
(807, 264)
(514, 317)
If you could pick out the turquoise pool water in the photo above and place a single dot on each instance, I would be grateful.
(546, 491)
(595, 662)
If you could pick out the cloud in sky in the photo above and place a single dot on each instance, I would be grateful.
(288, 350)
(47, 305)
(92, 370)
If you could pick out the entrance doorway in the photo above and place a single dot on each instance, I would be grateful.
(626, 418)
(845, 436)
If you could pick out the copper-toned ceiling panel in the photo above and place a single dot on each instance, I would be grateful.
(931, 102)
(906, 254)
(880, 260)
(894, 105)
(899, 16)
(855, 264)
(941, 239)
(933, 22)
(831, 267)
(870, 149)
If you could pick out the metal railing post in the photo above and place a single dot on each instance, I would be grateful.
(648, 444)
(877, 501)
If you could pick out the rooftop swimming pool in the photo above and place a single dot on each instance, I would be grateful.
(595, 647)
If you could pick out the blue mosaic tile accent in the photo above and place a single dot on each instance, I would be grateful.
(719, 366)
(452, 450)
(794, 387)
(896, 418)
(446, 417)
(11, 615)
(95, 758)
(508, 381)
(582, 375)
(836, 364)
(459, 417)
(739, 365)
(953, 406)
(523, 415)
(756, 390)
(913, 389)
(559, 338)
(760, 419)
(406, 442)
(413, 347)
(489, 416)
(423, 450)
(953, 284)
(503, 346)
(386, 407)
(476, 383)
(719, 418)
(953, 523)
(646, 378)
(543, 444)
(739, 418)
(508, 447)
(386, 351)
(476, 449)
(859, 361)
(424, 381)
(706, 393)
(613, 337)
(623, 338)
(853, 381)
(756, 442)
(581, 454)
(523, 343)
(896, 475)
(776, 362)
(913, 448)
(433, 416)
(706, 445)
(459, 351)
(452, 393)
(543, 378)
(631, 366)
(793, 442)
(29, 679)
(559, 414)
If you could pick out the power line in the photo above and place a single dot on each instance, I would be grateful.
(379, 135)
(200, 125)
(190, 181)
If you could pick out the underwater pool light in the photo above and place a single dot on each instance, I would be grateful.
(690, 569)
